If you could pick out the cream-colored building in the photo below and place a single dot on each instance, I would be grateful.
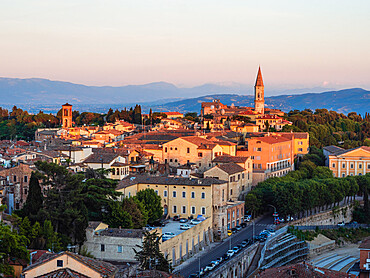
(184, 197)
(239, 179)
(191, 149)
(117, 164)
(353, 162)
(68, 264)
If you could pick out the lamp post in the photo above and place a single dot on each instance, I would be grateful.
(273, 207)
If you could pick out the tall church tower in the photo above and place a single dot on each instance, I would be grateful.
(67, 115)
(259, 94)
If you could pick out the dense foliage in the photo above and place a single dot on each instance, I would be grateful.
(311, 187)
(149, 256)
(21, 125)
(331, 128)
(12, 246)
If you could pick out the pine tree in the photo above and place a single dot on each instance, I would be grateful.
(150, 256)
(34, 199)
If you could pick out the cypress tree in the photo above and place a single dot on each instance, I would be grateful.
(34, 199)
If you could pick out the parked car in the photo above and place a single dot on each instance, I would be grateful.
(209, 267)
(215, 262)
(195, 222)
(176, 218)
(272, 231)
(236, 249)
(238, 228)
(229, 232)
(225, 257)
(185, 226)
(247, 218)
(243, 225)
(230, 253)
(234, 230)
(149, 228)
(168, 234)
(244, 243)
(341, 224)
(220, 260)
(183, 220)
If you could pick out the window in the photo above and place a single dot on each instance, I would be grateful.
(59, 263)
(25, 179)
(165, 149)
(300, 149)
(238, 176)
(102, 247)
(192, 210)
(351, 165)
(25, 191)
(156, 192)
(183, 209)
(174, 194)
(200, 154)
(343, 175)
(368, 166)
(243, 176)
(231, 192)
(259, 149)
(15, 178)
(300, 143)
(171, 160)
(184, 194)
(188, 150)
(174, 209)
(200, 164)
(360, 166)
(193, 195)
(165, 193)
(171, 148)
(333, 165)
(203, 195)
(343, 165)
(203, 210)
(228, 216)
(175, 160)
(119, 249)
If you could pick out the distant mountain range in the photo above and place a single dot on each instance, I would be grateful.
(343, 101)
(36, 94)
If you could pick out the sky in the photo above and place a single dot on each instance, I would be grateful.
(186, 42)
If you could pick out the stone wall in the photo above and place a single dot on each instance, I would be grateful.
(236, 266)
(333, 217)
(186, 244)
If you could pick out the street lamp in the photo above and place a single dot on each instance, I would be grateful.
(273, 207)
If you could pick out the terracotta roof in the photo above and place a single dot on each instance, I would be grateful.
(271, 139)
(101, 157)
(267, 117)
(202, 143)
(63, 273)
(104, 268)
(136, 179)
(116, 232)
(365, 243)
(119, 164)
(231, 168)
(172, 113)
(67, 104)
(228, 158)
(259, 80)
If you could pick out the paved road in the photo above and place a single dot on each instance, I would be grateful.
(221, 249)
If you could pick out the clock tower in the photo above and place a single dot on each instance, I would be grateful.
(259, 94)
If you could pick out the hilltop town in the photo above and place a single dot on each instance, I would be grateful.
(226, 179)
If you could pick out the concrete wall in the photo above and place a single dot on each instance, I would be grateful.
(186, 244)
(94, 241)
(237, 266)
(343, 214)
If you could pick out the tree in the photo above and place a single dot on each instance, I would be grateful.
(137, 212)
(117, 217)
(34, 199)
(252, 203)
(152, 204)
(12, 246)
(150, 256)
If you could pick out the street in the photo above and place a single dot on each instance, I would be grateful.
(218, 251)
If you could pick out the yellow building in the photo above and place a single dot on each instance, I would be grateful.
(191, 149)
(353, 162)
(300, 141)
(184, 197)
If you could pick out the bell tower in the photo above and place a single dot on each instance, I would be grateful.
(259, 94)
(67, 115)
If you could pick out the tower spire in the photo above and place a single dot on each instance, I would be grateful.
(259, 80)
